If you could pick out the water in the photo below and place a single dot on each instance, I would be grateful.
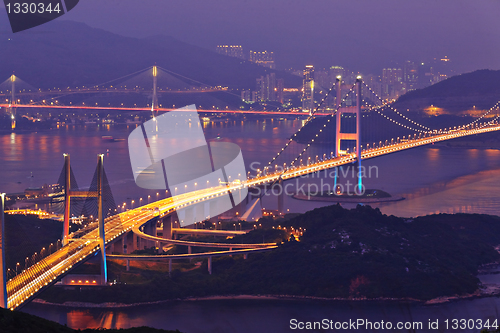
(433, 179)
(270, 316)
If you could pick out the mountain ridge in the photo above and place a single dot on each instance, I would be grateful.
(66, 53)
(475, 90)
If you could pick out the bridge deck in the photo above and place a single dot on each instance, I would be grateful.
(29, 282)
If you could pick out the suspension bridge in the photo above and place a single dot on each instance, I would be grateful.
(138, 226)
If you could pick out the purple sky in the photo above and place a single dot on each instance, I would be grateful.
(364, 35)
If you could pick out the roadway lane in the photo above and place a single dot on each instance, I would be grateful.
(29, 282)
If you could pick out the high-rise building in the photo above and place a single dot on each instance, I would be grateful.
(255, 96)
(425, 75)
(392, 82)
(263, 58)
(246, 96)
(231, 51)
(308, 89)
(266, 87)
(280, 87)
(410, 75)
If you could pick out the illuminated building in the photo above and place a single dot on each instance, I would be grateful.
(410, 75)
(280, 87)
(263, 58)
(246, 96)
(392, 82)
(266, 87)
(308, 89)
(231, 51)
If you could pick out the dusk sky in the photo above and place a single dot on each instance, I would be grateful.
(363, 35)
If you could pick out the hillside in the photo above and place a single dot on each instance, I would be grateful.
(64, 53)
(343, 253)
(479, 89)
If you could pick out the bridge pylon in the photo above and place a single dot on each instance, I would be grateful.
(13, 101)
(340, 136)
(69, 193)
(154, 104)
(3, 273)
(101, 232)
(67, 199)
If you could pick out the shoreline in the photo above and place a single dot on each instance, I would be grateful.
(353, 199)
(488, 291)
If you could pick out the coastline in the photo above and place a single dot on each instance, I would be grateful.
(488, 290)
(353, 199)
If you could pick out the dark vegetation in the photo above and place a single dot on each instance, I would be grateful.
(27, 235)
(343, 253)
(16, 322)
(458, 93)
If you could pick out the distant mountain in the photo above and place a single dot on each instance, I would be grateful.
(65, 53)
(479, 90)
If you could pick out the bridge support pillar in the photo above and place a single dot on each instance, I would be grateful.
(152, 232)
(67, 202)
(13, 102)
(101, 232)
(3, 275)
(210, 265)
(167, 227)
(135, 242)
(147, 231)
(281, 197)
(154, 104)
(358, 133)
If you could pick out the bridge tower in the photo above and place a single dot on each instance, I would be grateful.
(100, 216)
(3, 273)
(67, 201)
(340, 136)
(69, 193)
(13, 101)
(154, 104)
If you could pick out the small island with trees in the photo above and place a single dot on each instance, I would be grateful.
(328, 253)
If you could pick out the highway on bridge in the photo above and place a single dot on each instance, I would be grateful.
(46, 272)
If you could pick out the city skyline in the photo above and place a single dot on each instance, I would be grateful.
(300, 32)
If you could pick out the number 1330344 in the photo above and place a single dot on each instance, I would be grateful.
(33, 8)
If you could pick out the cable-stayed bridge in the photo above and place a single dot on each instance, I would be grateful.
(340, 132)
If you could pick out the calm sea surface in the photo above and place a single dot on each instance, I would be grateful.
(432, 179)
